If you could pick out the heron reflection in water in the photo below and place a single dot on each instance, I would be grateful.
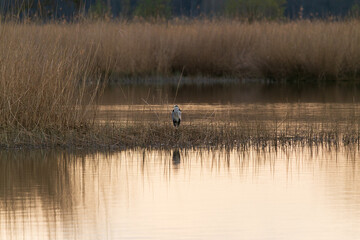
(176, 159)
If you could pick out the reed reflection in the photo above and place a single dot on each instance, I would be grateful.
(81, 195)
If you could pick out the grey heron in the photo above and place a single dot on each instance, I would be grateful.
(176, 116)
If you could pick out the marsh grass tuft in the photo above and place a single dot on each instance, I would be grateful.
(159, 135)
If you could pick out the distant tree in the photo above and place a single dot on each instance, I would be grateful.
(29, 8)
(251, 9)
(212, 7)
(78, 4)
(45, 8)
(189, 8)
(99, 9)
(354, 11)
(319, 8)
(153, 8)
(255, 9)
(126, 8)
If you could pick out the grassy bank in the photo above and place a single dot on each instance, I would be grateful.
(51, 73)
(164, 136)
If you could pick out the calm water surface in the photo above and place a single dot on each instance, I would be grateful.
(231, 102)
(288, 193)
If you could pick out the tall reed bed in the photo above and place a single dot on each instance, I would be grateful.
(302, 49)
(44, 76)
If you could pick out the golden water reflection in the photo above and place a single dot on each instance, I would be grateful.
(299, 114)
(283, 193)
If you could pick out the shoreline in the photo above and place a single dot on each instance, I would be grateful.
(164, 136)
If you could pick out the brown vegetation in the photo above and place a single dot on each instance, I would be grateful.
(44, 75)
(303, 49)
(161, 135)
(49, 73)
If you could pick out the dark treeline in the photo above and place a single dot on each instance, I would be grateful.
(292, 9)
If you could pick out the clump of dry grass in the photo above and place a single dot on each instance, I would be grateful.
(164, 136)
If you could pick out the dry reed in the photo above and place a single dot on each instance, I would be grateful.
(163, 136)
(303, 49)
(44, 76)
